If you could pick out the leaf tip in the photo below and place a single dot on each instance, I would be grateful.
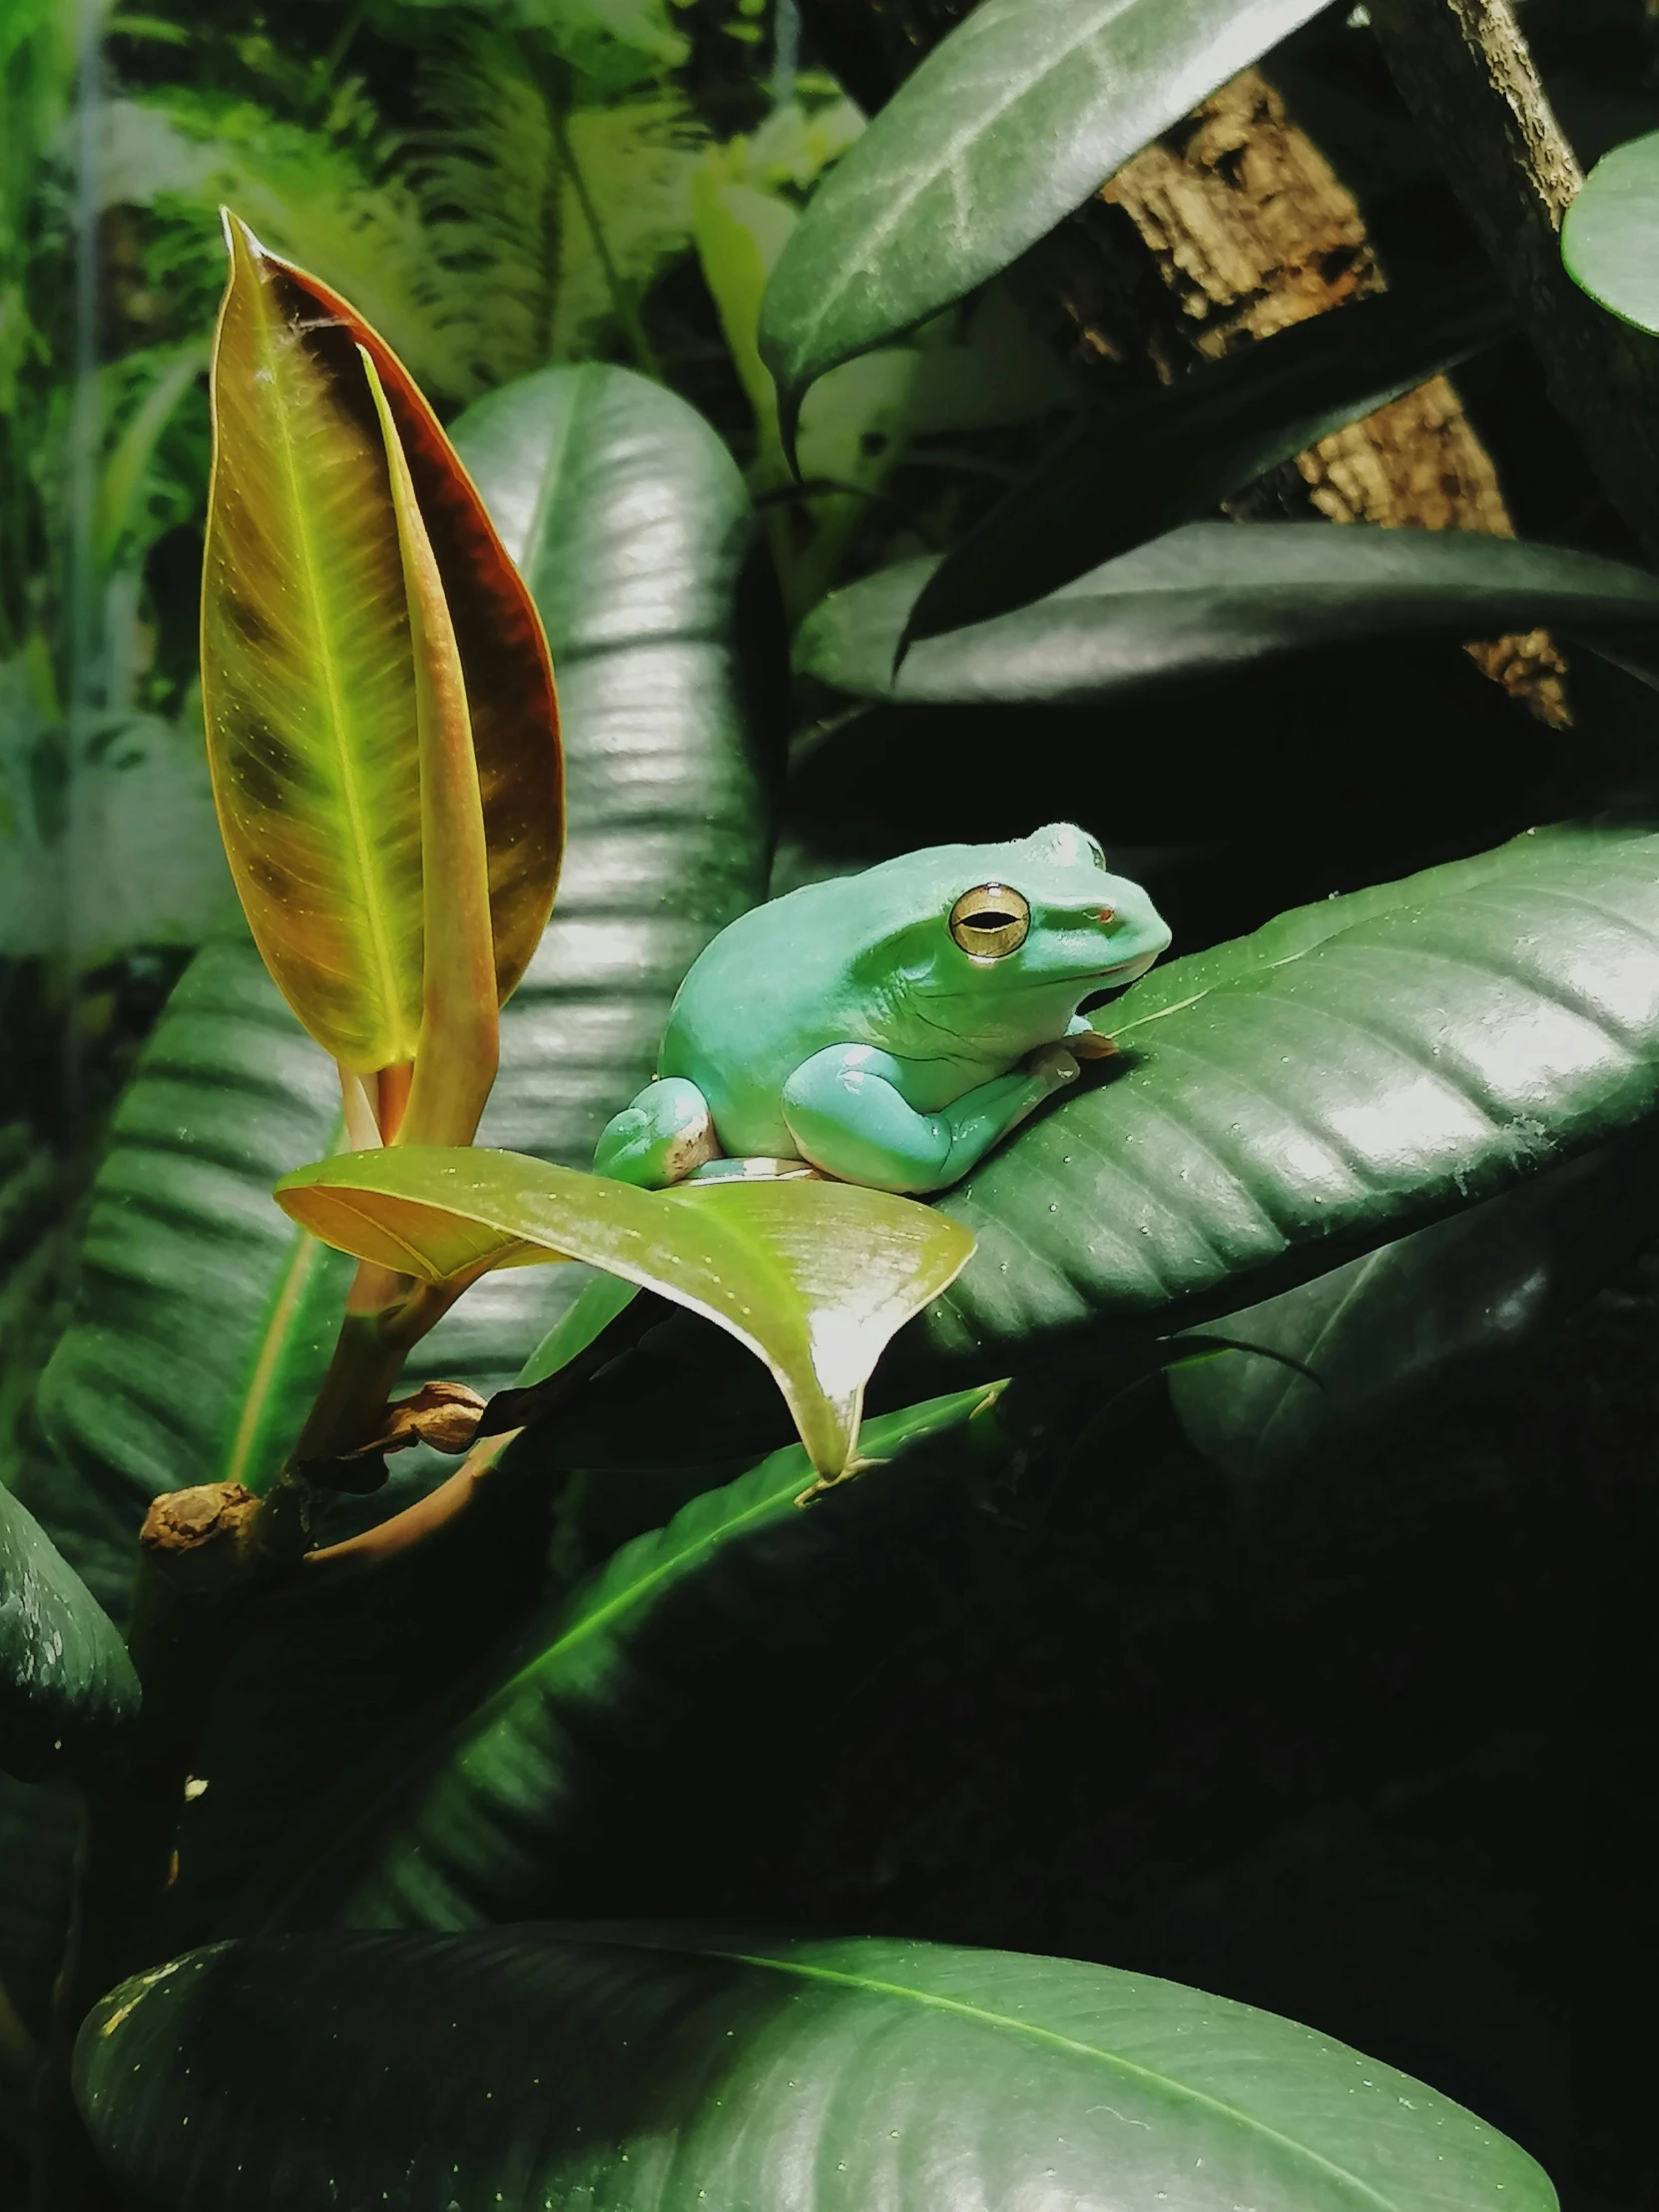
(239, 237)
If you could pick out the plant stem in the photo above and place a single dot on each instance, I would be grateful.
(1467, 74)
(621, 293)
(469, 1487)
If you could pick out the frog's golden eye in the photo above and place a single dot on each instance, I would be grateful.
(990, 921)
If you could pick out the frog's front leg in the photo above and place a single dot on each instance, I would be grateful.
(845, 1111)
(660, 1138)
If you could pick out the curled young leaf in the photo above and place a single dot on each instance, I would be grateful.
(459, 1046)
(310, 675)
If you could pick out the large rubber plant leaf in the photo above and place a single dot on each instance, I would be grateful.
(641, 2066)
(1356, 1354)
(203, 1318)
(1610, 239)
(486, 1815)
(1214, 597)
(1350, 1072)
(813, 1277)
(65, 1678)
(1115, 482)
(1008, 125)
(309, 674)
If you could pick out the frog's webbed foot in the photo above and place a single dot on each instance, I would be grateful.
(1085, 1042)
(661, 1138)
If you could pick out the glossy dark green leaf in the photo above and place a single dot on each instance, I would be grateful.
(672, 2068)
(65, 1678)
(39, 1822)
(1114, 482)
(1610, 239)
(479, 1822)
(631, 523)
(204, 1317)
(1008, 125)
(1211, 597)
(1352, 1071)
(1434, 1312)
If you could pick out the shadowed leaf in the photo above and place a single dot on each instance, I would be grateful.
(1169, 459)
(637, 2066)
(64, 1671)
(484, 1815)
(1379, 1341)
(1217, 596)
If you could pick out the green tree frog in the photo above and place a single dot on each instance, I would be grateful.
(889, 1028)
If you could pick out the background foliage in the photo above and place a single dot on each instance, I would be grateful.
(1297, 1690)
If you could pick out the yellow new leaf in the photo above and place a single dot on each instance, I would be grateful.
(309, 667)
(813, 1277)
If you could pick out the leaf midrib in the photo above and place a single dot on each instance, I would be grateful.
(357, 834)
(600, 1616)
(985, 118)
(985, 2017)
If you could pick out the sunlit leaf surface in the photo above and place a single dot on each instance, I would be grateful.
(814, 1277)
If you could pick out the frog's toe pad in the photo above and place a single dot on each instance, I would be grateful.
(1090, 1044)
(661, 1138)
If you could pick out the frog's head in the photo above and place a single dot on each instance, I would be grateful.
(1006, 941)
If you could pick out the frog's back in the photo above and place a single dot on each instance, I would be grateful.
(771, 989)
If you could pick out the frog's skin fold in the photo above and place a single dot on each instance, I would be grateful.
(889, 1028)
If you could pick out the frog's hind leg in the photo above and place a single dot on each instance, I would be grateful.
(657, 1141)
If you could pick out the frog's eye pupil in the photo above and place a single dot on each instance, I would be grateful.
(990, 921)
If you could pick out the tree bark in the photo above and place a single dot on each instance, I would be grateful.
(1252, 231)
(1464, 71)
(1229, 228)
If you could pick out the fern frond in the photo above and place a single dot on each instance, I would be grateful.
(512, 230)
(637, 161)
(484, 169)
(331, 199)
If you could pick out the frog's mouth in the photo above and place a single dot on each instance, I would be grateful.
(1105, 984)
